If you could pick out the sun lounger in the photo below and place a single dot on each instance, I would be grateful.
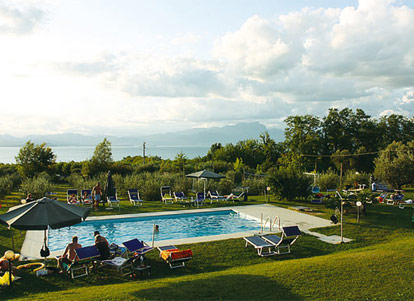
(179, 196)
(72, 197)
(113, 199)
(174, 257)
(200, 198)
(395, 199)
(214, 195)
(263, 247)
(137, 246)
(166, 194)
(134, 197)
(233, 197)
(282, 244)
(86, 197)
(121, 264)
(86, 255)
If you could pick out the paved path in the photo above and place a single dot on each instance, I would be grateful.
(34, 239)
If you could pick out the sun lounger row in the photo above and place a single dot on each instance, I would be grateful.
(113, 201)
(129, 261)
(272, 244)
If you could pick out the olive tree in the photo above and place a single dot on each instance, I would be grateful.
(34, 159)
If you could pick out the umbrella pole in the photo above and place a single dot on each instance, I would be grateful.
(12, 237)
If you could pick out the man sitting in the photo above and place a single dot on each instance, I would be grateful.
(69, 255)
(102, 245)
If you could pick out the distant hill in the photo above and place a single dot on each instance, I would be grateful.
(191, 137)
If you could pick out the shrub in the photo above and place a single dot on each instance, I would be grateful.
(289, 184)
(351, 178)
(328, 180)
(256, 185)
(37, 186)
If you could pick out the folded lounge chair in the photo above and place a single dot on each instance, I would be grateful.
(86, 197)
(137, 246)
(263, 247)
(113, 199)
(174, 257)
(282, 244)
(72, 197)
(134, 198)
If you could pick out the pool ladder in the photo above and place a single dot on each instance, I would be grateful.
(271, 222)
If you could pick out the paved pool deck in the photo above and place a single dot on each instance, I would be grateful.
(285, 217)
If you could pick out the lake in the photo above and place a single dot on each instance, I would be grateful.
(81, 153)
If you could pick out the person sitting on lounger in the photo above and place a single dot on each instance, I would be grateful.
(73, 199)
(69, 255)
(102, 245)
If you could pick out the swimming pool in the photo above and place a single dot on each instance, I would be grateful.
(174, 226)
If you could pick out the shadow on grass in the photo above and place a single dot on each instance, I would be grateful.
(228, 287)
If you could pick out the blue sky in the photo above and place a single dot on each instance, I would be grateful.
(134, 67)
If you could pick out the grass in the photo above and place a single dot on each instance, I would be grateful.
(377, 264)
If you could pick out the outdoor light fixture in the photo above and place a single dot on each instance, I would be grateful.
(9, 256)
(359, 204)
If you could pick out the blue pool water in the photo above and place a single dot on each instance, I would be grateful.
(175, 226)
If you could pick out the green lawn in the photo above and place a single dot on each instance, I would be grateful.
(378, 264)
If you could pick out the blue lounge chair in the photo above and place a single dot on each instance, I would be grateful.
(179, 196)
(134, 197)
(85, 255)
(113, 200)
(86, 197)
(200, 198)
(282, 244)
(72, 197)
(137, 246)
(260, 245)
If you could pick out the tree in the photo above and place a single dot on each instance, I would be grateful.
(302, 137)
(395, 165)
(34, 159)
(102, 157)
(179, 162)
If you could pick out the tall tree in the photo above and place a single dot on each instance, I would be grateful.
(302, 137)
(34, 159)
(102, 157)
(395, 165)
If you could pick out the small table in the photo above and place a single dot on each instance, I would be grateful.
(141, 269)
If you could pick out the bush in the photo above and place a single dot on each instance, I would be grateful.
(256, 186)
(8, 183)
(290, 185)
(351, 178)
(328, 180)
(37, 186)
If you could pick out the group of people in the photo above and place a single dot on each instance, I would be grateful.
(69, 256)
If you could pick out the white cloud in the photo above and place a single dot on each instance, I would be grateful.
(303, 62)
(19, 21)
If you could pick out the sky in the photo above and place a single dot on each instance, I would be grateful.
(133, 67)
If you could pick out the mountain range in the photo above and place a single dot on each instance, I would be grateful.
(191, 137)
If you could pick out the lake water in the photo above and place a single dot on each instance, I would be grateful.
(81, 153)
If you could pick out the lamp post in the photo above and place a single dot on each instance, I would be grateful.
(359, 204)
(9, 256)
(342, 214)
(268, 192)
